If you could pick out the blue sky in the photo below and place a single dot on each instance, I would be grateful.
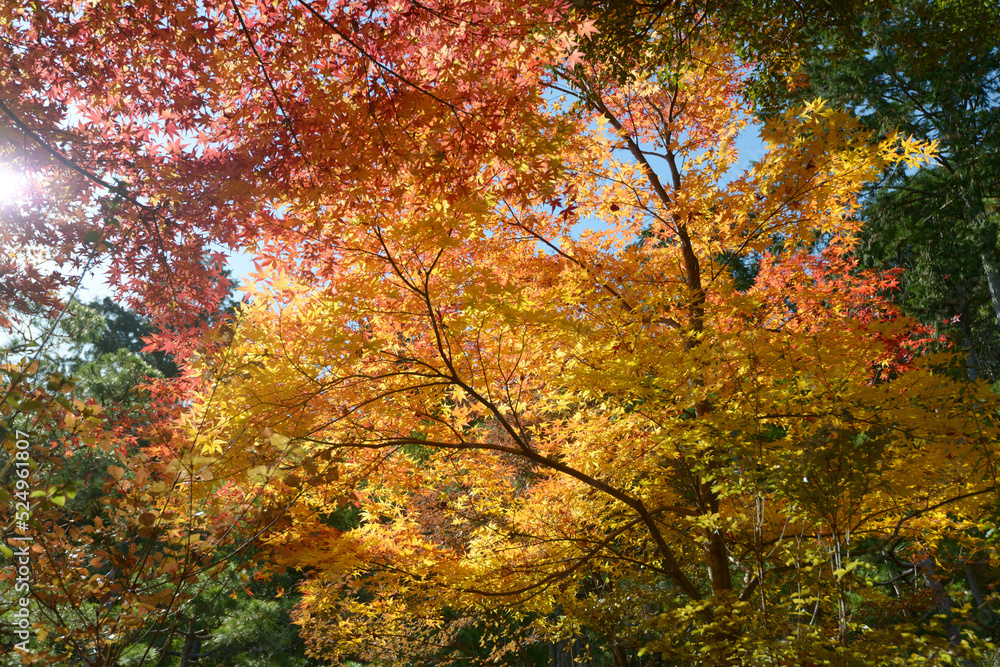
(94, 285)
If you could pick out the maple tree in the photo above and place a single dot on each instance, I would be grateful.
(550, 433)
(594, 433)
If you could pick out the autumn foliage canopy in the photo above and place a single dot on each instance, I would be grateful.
(580, 377)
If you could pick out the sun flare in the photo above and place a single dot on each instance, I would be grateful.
(13, 185)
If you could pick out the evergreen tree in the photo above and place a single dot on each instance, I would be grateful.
(930, 69)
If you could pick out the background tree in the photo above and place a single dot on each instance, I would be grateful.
(929, 69)
(772, 37)
(98, 375)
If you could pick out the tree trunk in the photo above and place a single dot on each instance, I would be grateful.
(563, 652)
(188, 650)
(971, 358)
(618, 654)
(977, 592)
(993, 279)
(944, 603)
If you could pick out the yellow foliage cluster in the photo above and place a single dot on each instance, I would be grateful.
(558, 412)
